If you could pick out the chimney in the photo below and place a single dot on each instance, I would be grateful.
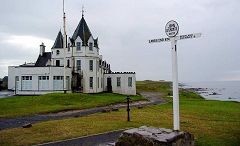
(42, 49)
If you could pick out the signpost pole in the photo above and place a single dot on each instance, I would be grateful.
(175, 85)
(171, 30)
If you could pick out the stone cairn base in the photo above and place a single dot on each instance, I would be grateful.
(150, 136)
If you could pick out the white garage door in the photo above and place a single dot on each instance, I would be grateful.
(57, 82)
(26, 82)
(43, 82)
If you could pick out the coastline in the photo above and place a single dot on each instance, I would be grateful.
(215, 90)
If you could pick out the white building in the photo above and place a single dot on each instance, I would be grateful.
(86, 71)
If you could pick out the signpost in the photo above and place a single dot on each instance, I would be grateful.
(171, 30)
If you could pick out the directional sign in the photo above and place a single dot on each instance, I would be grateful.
(189, 36)
(181, 37)
(171, 28)
(159, 40)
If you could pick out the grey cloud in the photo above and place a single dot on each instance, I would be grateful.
(124, 27)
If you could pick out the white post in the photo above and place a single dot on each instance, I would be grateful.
(176, 125)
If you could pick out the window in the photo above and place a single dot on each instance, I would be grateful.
(78, 64)
(43, 82)
(78, 46)
(90, 46)
(91, 65)
(43, 77)
(101, 82)
(57, 52)
(129, 81)
(118, 81)
(91, 82)
(68, 47)
(57, 77)
(57, 62)
(68, 63)
(26, 82)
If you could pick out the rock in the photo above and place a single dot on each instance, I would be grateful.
(106, 110)
(150, 136)
(140, 107)
(115, 109)
(27, 125)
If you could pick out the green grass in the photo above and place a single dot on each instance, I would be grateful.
(219, 127)
(30, 105)
(153, 86)
(214, 123)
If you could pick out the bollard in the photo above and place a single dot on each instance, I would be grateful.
(128, 108)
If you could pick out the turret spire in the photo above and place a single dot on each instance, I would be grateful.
(83, 11)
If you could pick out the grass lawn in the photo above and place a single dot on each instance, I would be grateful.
(212, 122)
(55, 102)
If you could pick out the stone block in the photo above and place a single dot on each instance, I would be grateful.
(27, 125)
(151, 136)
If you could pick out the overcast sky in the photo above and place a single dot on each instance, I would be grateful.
(124, 28)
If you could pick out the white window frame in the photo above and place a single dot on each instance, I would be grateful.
(130, 81)
(118, 81)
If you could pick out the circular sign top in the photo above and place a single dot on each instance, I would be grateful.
(172, 28)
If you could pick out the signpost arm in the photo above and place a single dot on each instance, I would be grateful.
(175, 85)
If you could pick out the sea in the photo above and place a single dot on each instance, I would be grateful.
(216, 90)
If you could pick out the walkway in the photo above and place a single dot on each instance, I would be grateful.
(153, 97)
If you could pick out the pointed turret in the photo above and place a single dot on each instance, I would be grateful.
(59, 41)
(82, 31)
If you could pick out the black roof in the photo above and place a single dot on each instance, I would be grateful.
(82, 31)
(42, 60)
(59, 41)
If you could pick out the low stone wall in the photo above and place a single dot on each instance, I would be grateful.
(150, 136)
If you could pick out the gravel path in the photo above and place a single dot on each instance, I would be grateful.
(153, 97)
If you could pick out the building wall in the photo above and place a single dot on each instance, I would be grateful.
(124, 87)
(85, 55)
(34, 72)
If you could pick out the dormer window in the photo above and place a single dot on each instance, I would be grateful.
(90, 46)
(78, 46)
(57, 52)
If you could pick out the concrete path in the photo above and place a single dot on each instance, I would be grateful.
(153, 97)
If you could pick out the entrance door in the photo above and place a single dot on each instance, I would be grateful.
(57, 62)
(109, 84)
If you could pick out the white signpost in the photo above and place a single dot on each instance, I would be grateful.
(171, 30)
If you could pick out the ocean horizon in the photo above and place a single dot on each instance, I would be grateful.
(216, 90)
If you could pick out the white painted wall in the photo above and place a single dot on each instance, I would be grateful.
(35, 72)
(124, 88)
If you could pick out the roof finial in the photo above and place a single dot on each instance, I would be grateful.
(82, 10)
